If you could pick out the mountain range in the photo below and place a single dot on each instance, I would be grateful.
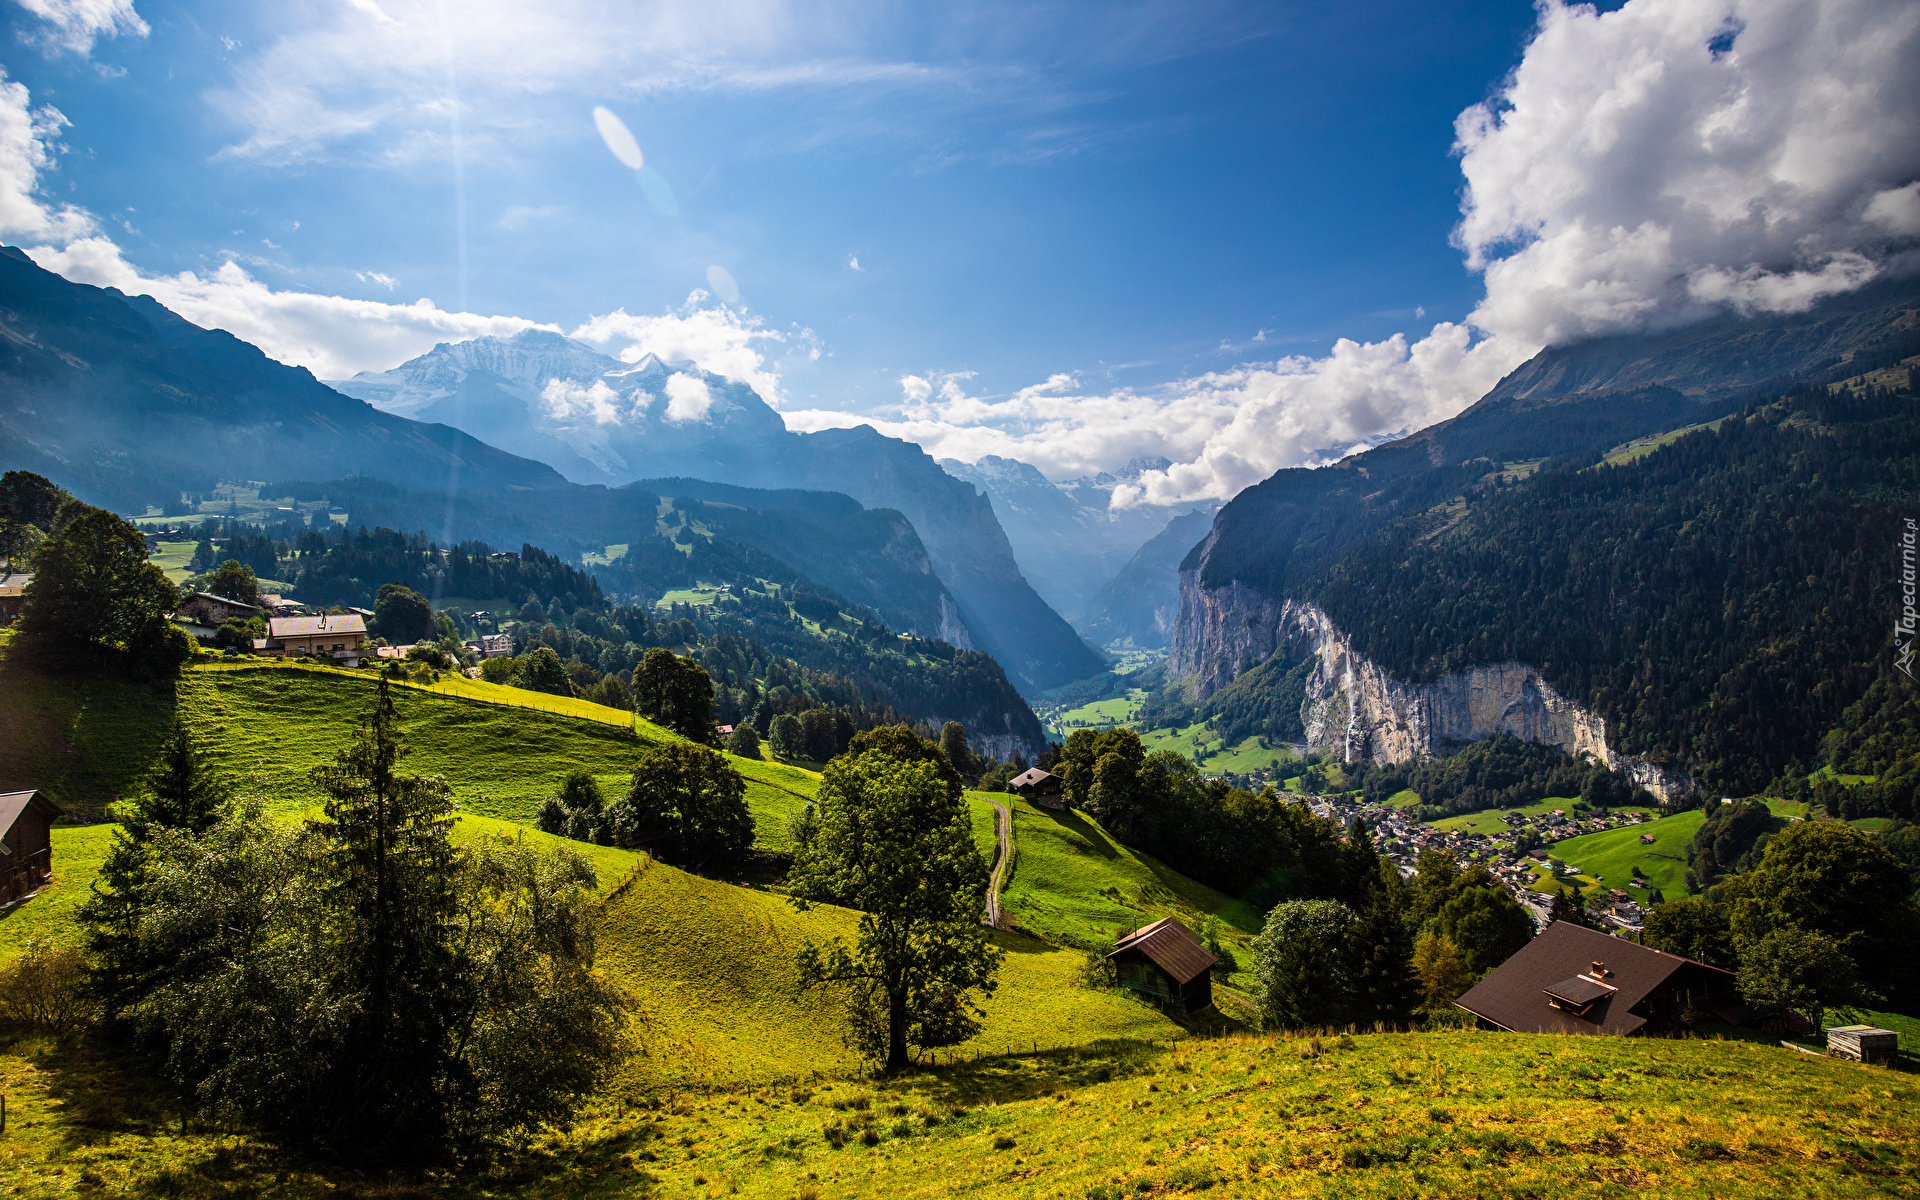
(1068, 537)
(128, 405)
(1545, 564)
(600, 420)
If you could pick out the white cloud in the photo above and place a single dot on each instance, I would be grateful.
(1227, 429)
(72, 26)
(1640, 169)
(28, 146)
(1636, 170)
(721, 340)
(386, 281)
(565, 400)
(853, 260)
(332, 336)
(688, 399)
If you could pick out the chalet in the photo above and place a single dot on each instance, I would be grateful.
(26, 846)
(1167, 963)
(207, 609)
(1041, 787)
(13, 594)
(1571, 979)
(339, 636)
(491, 645)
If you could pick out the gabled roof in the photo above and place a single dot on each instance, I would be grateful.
(12, 804)
(13, 585)
(1031, 777)
(1173, 948)
(1519, 994)
(230, 603)
(286, 627)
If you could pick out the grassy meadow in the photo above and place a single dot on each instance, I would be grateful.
(1347, 1117)
(1609, 857)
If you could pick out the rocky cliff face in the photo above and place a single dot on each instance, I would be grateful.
(1357, 710)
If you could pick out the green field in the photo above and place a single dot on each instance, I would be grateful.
(173, 557)
(1641, 447)
(1489, 822)
(1609, 857)
(1075, 886)
(687, 596)
(1100, 714)
(611, 554)
(1216, 757)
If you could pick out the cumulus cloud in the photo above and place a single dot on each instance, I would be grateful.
(1639, 169)
(724, 341)
(1225, 429)
(1646, 166)
(688, 399)
(565, 400)
(72, 26)
(332, 336)
(28, 146)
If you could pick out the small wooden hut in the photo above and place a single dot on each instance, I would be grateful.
(1167, 963)
(1041, 787)
(26, 843)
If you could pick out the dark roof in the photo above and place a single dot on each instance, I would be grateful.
(12, 804)
(1580, 990)
(1173, 948)
(226, 600)
(1031, 777)
(1559, 963)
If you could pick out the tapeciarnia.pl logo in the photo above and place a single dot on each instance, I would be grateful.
(1904, 626)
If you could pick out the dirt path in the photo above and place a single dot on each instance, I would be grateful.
(1003, 858)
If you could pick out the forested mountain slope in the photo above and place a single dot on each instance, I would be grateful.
(1716, 603)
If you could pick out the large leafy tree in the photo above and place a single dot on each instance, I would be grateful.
(96, 600)
(233, 579)
(1828, 878)
(1302, 964)
(402, 615)
(29, 511)
(1441, 973)
(688, 806)
(900, 742)
(1692, 928)
(544, 672)
(674, 691)
(894, 841)
(1797, 971)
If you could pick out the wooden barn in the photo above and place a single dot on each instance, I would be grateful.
(26, 848)
(1572, 979)
(1041, 787)
(1167, 963)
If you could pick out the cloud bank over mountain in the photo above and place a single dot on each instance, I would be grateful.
(1639, 168)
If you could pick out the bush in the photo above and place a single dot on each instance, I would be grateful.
(743, 742)
(42, 989)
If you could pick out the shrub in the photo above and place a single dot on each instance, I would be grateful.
(42, 989)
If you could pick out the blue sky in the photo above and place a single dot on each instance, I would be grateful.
(1056, 210)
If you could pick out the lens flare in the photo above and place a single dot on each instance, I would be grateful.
(721, 281)
(619, 139)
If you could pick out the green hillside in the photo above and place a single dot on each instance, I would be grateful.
(1610, 856)
(1075, 886)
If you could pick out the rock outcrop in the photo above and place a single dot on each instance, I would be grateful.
(1358, 711)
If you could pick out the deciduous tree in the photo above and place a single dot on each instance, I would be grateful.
(95, 600)
(688, 806)
(893, 840)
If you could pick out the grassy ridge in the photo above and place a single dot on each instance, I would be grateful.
(84, 741)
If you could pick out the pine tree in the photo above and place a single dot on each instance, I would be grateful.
(183, 792)
(392, 880)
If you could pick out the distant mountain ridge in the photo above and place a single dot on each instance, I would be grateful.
(128, 404)
(591, 417)
(1068, 538)
(611, 422)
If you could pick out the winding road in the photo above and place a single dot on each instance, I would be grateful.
(1003, 858)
